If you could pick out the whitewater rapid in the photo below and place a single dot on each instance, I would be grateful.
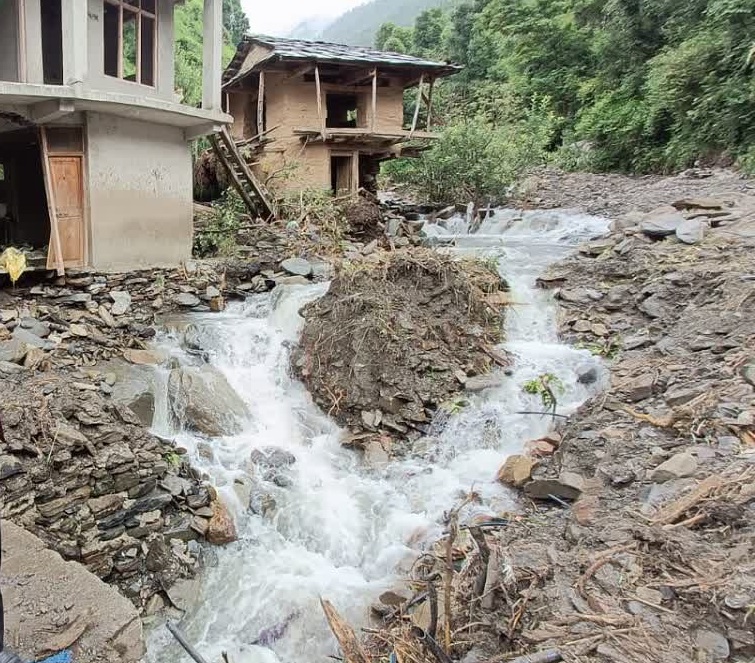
(344, 531)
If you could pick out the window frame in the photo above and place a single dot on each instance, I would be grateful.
(134, 7)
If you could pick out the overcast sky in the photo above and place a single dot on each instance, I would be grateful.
(277, 17)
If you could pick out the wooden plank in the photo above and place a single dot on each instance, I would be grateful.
(417, 105)
(55, 247)
(355, 172)
(261, 104)
(430, 105)
(320, 115)
(374, 99)
(231, 171)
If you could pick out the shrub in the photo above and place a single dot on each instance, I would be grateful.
(217, 236)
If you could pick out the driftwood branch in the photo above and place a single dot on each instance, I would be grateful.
(181, 638)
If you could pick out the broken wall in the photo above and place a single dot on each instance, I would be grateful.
(140, 193)
(9, 44)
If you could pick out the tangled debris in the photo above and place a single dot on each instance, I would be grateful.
(397, 336)
(636, 542)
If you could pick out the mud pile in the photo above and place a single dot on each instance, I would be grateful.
(397, 336)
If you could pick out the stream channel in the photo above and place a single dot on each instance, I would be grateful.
(342, 530)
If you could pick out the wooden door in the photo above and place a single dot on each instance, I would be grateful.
(66, 175)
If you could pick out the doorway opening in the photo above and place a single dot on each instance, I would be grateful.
(341, 111)
(52, 42)
(341, 169)
(24, 216)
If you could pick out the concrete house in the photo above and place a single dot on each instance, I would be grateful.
(95, 164)
(324, 116)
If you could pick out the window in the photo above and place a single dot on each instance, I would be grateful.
(342, 111)
(130, 40)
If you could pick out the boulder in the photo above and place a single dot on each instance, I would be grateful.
(221, 529)
(25, 336)
(568, 486)
(187, 299)
(134, 388)
(13, 351)
(678, 466)
(203, 400)
(121, 302)
(698, 203)
(52, 587)
(297, 266)
(482, 382)
(690, 231)
(713, 645)
(41, 329)
(272, 457)
(664, 224)
(516, 470)
(639, 388)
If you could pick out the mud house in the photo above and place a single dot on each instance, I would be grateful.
(94, 153)
(323, 116)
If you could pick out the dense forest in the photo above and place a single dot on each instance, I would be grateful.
(631, 85)
(188, 27)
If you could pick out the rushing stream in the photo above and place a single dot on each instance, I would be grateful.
(342, 530)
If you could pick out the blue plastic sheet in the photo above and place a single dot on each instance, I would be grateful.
(61, 657)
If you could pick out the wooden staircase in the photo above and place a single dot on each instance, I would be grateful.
(252, 191)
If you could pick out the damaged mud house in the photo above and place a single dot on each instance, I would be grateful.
(323, 116)
(94, 142)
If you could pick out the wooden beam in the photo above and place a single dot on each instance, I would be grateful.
(348, 82)
(318, 89)
(261, 104)
(417, 105)
(301, 71)
(374, 99)
(55, 245)
(430, 104)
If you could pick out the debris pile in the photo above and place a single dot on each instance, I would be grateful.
(635, 538)
(397, 336)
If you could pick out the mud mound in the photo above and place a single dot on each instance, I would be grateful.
(364, 218)
(397, 336)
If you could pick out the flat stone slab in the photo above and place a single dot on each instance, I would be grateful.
(52, 605)
(297, 266)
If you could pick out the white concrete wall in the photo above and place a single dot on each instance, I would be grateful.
(8, 41)
(140, 193)
(165, 74)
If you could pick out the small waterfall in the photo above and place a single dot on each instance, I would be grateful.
(335, 528)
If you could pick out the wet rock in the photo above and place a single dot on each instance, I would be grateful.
(516, 470)
(121, 302)
(262, 503)
(184, 594)
(713, 645)
(187, 299)
(272, 457)
(203, 399)
(587, 375)
(690, 231)
(142, 357)
(664, 224)
(481, 382)
(678, 466)
(568, 486)
(221, 529)
(13, 351)
(297, 266)
(158, 556)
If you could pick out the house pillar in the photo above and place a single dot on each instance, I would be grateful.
(75, 23)
(212, 65)
(30, 42)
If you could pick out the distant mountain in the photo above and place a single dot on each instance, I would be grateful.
(310, 28)
(358, 26)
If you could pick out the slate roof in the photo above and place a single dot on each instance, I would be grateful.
(320, 51)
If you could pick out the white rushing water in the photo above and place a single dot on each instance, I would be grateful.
(344, 531)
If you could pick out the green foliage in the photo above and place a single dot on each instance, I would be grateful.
(218, 235)
(477, 160)
(646, 85)
(547, 386)
(188, 22)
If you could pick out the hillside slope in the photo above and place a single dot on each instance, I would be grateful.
(358, 26)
